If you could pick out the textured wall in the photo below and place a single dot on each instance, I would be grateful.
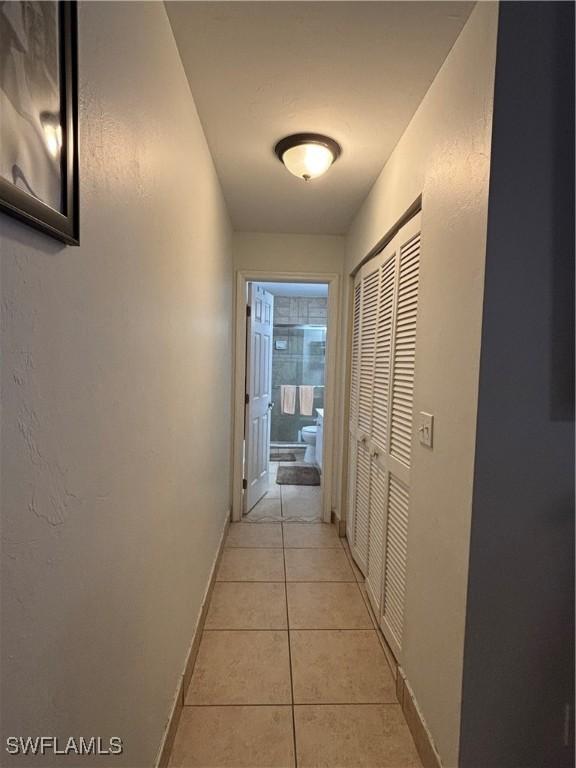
(288, 253)
(444, 155)
(115, 439)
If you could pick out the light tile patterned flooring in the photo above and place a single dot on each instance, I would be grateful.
(283, 503)
(290, 670)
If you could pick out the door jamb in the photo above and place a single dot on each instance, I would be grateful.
(330, 388)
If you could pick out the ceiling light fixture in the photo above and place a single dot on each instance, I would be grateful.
(307, 155)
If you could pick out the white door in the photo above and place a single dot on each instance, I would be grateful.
(381, 423)
(353, 425)
(258, 393)
(364, 335)
(388, 268)
(397, 456)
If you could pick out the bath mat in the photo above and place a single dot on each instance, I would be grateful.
(298, 476)
(278, 456)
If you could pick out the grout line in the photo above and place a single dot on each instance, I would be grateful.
(292, 629)
(352, 564)
(276, 581)
(248, 547)
(289, 652)
(304, 704)
(369, 608)
(331, 629)
(255, 581)
(349, 704)
(388, 655)
(320, 581)
(364, 596)
(252, 581)
(248, 629)
(315, 581)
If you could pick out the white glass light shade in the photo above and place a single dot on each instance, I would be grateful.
(308, 161)
(307, 155)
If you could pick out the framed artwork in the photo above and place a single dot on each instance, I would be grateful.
(39, 115)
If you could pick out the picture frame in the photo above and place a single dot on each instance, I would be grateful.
(39, 169)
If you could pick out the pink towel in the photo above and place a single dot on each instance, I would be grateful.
(306, 392)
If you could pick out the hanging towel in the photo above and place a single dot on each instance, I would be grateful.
(288, 398)
(306, 393)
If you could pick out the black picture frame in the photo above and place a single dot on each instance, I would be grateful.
(64, 224)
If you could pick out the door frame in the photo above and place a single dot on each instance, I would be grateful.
(243, 277)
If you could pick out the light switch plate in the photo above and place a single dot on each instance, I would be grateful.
(425, 428)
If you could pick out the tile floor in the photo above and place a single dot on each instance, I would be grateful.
(283, 503)
(290, 671)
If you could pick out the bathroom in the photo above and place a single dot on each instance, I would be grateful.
(285, 399)
(298, 373)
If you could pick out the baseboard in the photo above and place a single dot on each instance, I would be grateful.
(184, 681)
(171, 727)
(339, 523)
(416, 723)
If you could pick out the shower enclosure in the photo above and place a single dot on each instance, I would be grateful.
(298, 358)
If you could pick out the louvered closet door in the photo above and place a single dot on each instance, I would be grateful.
(380, 424)
(360, 428)
(354, 386)
(398, 458)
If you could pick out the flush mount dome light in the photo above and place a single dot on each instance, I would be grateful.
(307, 155)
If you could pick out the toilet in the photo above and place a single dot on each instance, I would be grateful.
(309, 437)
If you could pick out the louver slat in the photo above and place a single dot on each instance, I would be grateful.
(381, 381)
(354, 390)
(355, 361)
(376, 538)
(405, 352)
(396, 555)
(362, 507)
(368, 328)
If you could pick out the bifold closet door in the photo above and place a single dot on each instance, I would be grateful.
(381, 423)
(399, 456)
(354, 387)
(365, 326)
(379, 438)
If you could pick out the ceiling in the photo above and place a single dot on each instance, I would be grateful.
(309, 290)
(353, 70)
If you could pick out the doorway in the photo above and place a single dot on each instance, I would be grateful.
(285, 372)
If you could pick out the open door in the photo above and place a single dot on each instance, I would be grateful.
(259, 331)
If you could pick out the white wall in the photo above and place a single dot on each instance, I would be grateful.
(319, 254)
(115, 439)
(445, 156)
(288, 253)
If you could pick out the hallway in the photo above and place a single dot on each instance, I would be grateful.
(291, 670)
(287, 503)
(246, 246)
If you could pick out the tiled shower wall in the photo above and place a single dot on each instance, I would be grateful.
(300, 309)
(302, 362)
